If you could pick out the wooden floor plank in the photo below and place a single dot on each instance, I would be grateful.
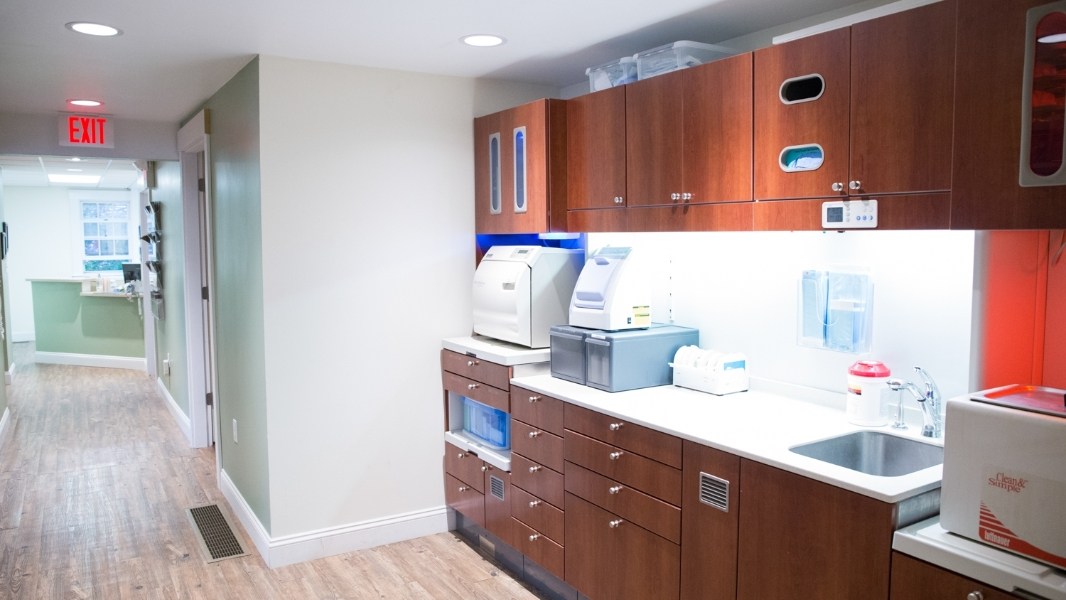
(95, 483)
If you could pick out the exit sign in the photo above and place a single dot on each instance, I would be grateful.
(86, 131)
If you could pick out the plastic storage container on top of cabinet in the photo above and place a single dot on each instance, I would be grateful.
(616, 72)
(678, 55)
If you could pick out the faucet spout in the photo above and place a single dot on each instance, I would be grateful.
(929, 400)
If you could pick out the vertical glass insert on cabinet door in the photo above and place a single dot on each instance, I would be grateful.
(520, 199)
(1043, 156)
(495, 174)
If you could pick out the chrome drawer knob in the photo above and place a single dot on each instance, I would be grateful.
(535, 468)
(471, 386)
(838, 187)
(533, 434)
(675, 196)
(618, 200)
(686, 196)
(614, 426)
(855, 185)
(463, 488)
(533, 399)
(534, 537)
(615, 455)
(461, 455)
(484, 468)
(613, 524)
(614, 489)
(472, 363)
(534, 503)
(975, 595)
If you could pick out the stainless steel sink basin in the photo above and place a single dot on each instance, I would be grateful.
(874, 453)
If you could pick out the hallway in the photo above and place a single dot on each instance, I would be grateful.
(95, 483)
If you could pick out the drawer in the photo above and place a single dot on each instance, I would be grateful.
(539, 548)
(537, 445)
(464, 466)
(494, 374)
(628, 468)
(537, 479)
(464, 499)
(632, 505)
(475, 390)
(537, 409)
(653, 444)
(537, 514)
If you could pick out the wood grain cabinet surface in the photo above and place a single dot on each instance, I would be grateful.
(913, 579)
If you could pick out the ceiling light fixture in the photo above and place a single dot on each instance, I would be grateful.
(482, 40)
(93, 29)
(1053, 38)
(75, 179)
(84, 102)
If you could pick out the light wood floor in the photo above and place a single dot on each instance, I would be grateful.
(95, 482)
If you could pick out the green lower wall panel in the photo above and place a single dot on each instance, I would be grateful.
(67, 322)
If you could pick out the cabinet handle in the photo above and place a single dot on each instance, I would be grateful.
(614, 489)
(838, 187)
(463, 488)
(975, 595)
(472, 363)
(534, 537)
(533, 434)
(618, 200)
(613, 524)
(534, 503)
(461, 455)
(533, 399)
(471, 386)
(686, 196)
(675, 196)
(855, 184)
(535, 468)
(484, 468)
(615, 426)
(615, 455)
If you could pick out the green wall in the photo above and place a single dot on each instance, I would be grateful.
(238, 287)
(67, 322)
(170, 331)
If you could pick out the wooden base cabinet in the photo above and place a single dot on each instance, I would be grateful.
(710, 524)
(913, 579)
(803, 537)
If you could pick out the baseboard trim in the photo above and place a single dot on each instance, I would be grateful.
(5, 422)
(175, 410)
(9, 375)
(25, 336)
(91, 360)
(290, 549)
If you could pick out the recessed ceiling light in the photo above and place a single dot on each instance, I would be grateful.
(93, 29)
(482, 40)
(1053, 38)
(76, 179)
(84, 102)
(74, 159)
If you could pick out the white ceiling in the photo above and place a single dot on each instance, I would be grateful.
(172, 56)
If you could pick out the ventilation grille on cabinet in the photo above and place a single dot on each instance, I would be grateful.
(496, 487)
(714, 491)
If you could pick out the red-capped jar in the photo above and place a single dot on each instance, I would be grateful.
(867, 383)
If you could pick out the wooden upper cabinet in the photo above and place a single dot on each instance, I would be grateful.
(596, 150)
(520, 169)
(875, 101)
(688, 135)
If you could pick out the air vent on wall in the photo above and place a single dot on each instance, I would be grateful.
(496, 487)
(714, 491)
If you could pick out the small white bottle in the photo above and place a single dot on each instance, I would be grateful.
(866, 384)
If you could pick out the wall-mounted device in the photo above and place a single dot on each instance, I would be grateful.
(849, 214)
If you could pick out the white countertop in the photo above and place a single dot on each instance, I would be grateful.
(930, 542)
(761, 425)
(501, 353)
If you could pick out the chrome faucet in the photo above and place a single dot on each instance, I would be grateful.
(929, 399)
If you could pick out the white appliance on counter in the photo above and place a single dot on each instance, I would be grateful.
(1005, 470)
(612, 293)
(521, 291)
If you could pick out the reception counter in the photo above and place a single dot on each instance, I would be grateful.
(77, 322)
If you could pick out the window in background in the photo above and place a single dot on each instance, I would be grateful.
(104, 240)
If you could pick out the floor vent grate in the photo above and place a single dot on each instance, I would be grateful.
(216, 535)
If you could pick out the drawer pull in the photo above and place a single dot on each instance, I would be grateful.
(614, 489)
(534, 537)
(484, 468)
(461, 455)
(615, 455)
(533, 434)
(463, 488)
(472, 363)
(615, 426)
(533, 399)
(613, 524)
(534, 503)
(535, 468)
(471, 386)
(975, 595)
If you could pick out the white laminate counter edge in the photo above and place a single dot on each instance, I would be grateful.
(496, 351)
(757, 425)
(930, 542)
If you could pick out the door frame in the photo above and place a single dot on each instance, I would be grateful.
(193, 139)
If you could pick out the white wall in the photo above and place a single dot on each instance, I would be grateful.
(740, 290)
(368, 251)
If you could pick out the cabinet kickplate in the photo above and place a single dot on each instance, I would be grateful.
(714, 491)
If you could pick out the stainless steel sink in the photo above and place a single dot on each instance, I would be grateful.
(874, 453)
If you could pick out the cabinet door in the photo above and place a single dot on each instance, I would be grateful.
(525, 168)
(654, 140)
(902, 101)
(717, 131)
(800, 534)
(489, 216)
(710, 526)
(596, 150)
(498, 492)
(913, 579)
(801, 109)
(464, 499)
(608, 557)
